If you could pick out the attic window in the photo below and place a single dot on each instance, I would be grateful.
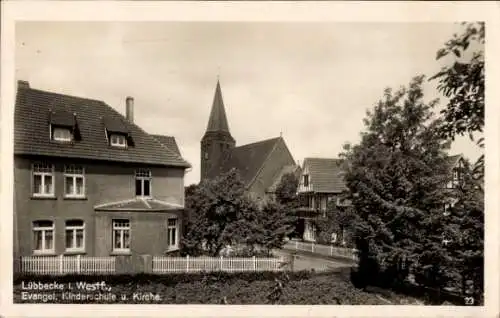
(118, 140)
(63, 134)
(63, 126)
(117, 132)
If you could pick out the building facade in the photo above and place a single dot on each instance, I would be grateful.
(89, 181)
(320, 187)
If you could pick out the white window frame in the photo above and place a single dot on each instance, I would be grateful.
(43, 170)
(142, 175)
(170, 235)
(44, 230)
(121, 228)
(74, 229)
(74, 172)
(118, 140)
(53, 134)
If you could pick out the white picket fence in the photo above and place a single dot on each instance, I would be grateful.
(60, 265)
(162, 264)
(327, 250)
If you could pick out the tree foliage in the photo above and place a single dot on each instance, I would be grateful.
(461, 80)
(222, 213)
(396, 176)
(286, 191)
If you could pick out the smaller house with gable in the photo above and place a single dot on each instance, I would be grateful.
(321, 182)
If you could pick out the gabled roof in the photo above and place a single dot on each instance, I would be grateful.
(218, 119)
(32, 127)
(325, 174)
(295, 169)
(138, 204)
(452, 161)
(247, 159)
(169, 142)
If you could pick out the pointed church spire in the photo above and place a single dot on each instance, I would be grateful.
(218, 119)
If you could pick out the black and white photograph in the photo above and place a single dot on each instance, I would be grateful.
(230, 163)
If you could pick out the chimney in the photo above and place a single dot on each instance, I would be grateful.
(23, 84)
(130, 108)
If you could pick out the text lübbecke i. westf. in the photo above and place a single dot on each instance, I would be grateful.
(78, 291)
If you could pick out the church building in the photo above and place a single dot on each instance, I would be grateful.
(261, 164)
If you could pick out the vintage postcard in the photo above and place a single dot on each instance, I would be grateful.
(249, 159)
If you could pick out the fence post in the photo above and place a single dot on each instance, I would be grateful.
(331, 250)
(254, 263)
(61, 263)
(221, 263)
(312, 247)
(187, 264)
(296, 245)
(78, 265)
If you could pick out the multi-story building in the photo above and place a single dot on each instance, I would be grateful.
(89, 181)
(321, 182)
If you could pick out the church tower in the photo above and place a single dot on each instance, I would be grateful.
(217, 139)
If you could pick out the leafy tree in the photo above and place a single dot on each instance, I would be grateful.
(461, 80)
(465, 232)
(220, 215)
(396, 176)
(274, 222)
(286, 191)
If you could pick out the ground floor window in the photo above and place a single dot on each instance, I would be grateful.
(75, 235)
(121, 235)
(43, 236)
(172, 232)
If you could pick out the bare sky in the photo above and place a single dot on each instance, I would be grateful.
(311, 81)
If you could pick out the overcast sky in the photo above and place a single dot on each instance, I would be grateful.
(311, 81)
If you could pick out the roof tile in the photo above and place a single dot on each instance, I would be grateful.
(31, 131)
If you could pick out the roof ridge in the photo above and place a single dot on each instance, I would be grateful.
(65, 95)
(259, 142)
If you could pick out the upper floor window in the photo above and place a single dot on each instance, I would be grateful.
(63, 134)
(75, 235)
(43, 237)
(143, 183)
(74, 181)
(43, 180)
(306, 180)
(121, 235)
(118, 140)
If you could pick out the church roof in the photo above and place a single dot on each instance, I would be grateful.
(248, 160)
(295, 169)
(218, 119)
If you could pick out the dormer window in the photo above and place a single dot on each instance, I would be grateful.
(117, 140)
(117, 132)
(63, 126)
(62, 134)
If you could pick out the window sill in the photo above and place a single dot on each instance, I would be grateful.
(172, 249)
(43, 253)
(120, 253)
(42, 197)
(76, 198)
(75, 252)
